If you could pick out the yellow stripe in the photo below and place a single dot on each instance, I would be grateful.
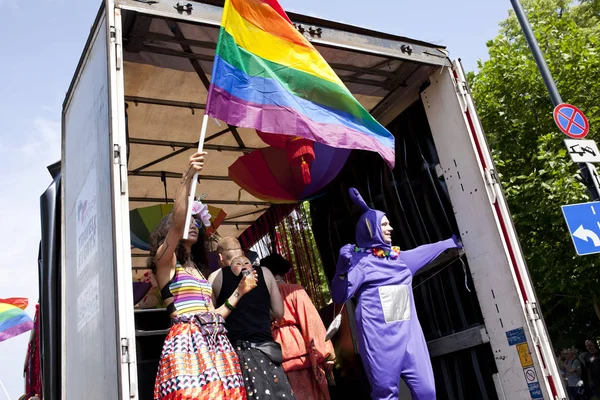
(6, 307)
(274, 49)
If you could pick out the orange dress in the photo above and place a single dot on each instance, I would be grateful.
(301, 334)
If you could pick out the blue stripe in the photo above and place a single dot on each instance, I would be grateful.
(14, 321)
(267, 91)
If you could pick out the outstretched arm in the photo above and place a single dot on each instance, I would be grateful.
(419, 257)
(348, 277)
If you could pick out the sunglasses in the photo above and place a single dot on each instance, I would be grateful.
(196, 221)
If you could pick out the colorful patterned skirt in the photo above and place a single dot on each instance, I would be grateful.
(198, 361)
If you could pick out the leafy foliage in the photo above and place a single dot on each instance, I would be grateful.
(535, 169)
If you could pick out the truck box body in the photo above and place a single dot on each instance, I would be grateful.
(132, 117)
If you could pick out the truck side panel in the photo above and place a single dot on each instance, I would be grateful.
(498, 284)
(90, 340)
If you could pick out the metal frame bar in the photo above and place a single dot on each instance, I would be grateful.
(164, 102)
(161, 159)
(458, 341)
(205, 201)
(159, 37)
(246, 214)
(216, 135)
(189, 145)
(175, 175)
(237, 222)
(332, 34)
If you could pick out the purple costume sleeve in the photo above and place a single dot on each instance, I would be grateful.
(348, 277)
(419, 257)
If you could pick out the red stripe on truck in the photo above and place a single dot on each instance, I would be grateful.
(511, 251)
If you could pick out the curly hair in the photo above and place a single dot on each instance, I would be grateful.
(198, 252)
(276, 264)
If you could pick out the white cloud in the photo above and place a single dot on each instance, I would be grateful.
(45, 142)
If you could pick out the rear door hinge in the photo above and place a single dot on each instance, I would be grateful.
(127, 359)
(115, 37)
(491, 179)
(125, 351)
(461, 90)
(532, 311)
(118, 160)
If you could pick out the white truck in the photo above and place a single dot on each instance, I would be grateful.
(131, 118)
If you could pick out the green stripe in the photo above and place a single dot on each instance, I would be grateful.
(10, 314)
(299, 83)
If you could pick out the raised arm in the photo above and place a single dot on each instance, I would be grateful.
(419, 257)
(348, 277)
(276, 300)
(165, 255)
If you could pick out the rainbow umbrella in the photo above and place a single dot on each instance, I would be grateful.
(268, 174)
(13, 319)
(144, 220)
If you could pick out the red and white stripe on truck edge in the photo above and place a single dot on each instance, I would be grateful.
(511, 251)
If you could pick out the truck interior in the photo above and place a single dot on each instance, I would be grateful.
(167, 65)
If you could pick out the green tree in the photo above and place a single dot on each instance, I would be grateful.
(536, 171)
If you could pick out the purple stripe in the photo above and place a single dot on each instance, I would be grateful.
(286, 121)
(190, 298)
(16, 330)
(14, 320)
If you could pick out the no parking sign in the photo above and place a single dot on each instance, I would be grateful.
(571, 121)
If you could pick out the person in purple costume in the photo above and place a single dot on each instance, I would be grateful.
(391, 341)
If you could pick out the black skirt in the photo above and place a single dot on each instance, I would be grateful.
(263, 378)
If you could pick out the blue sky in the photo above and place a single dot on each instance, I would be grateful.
(41, 44)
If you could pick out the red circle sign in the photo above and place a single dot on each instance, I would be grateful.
(571, 121)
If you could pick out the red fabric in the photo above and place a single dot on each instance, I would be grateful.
(301, 334)
(33, 367)
(20, 302)
(305, 386)
(275, 6)
(265, 224)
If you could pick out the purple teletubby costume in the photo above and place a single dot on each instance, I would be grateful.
(391, 340)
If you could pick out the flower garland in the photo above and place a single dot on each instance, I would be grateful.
(391, 254)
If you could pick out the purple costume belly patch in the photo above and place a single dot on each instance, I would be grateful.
(391, 341)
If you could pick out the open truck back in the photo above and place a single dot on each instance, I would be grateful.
(132, 117)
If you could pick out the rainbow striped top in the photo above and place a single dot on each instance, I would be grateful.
(190, 294)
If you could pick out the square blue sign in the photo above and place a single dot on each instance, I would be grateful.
(583, 221)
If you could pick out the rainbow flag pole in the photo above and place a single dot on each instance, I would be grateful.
(4, 389)
(188, 219)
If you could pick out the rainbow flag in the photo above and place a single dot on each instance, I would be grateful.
(268, 76)
(13, 319)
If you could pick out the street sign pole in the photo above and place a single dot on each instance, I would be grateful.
(585, 169)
